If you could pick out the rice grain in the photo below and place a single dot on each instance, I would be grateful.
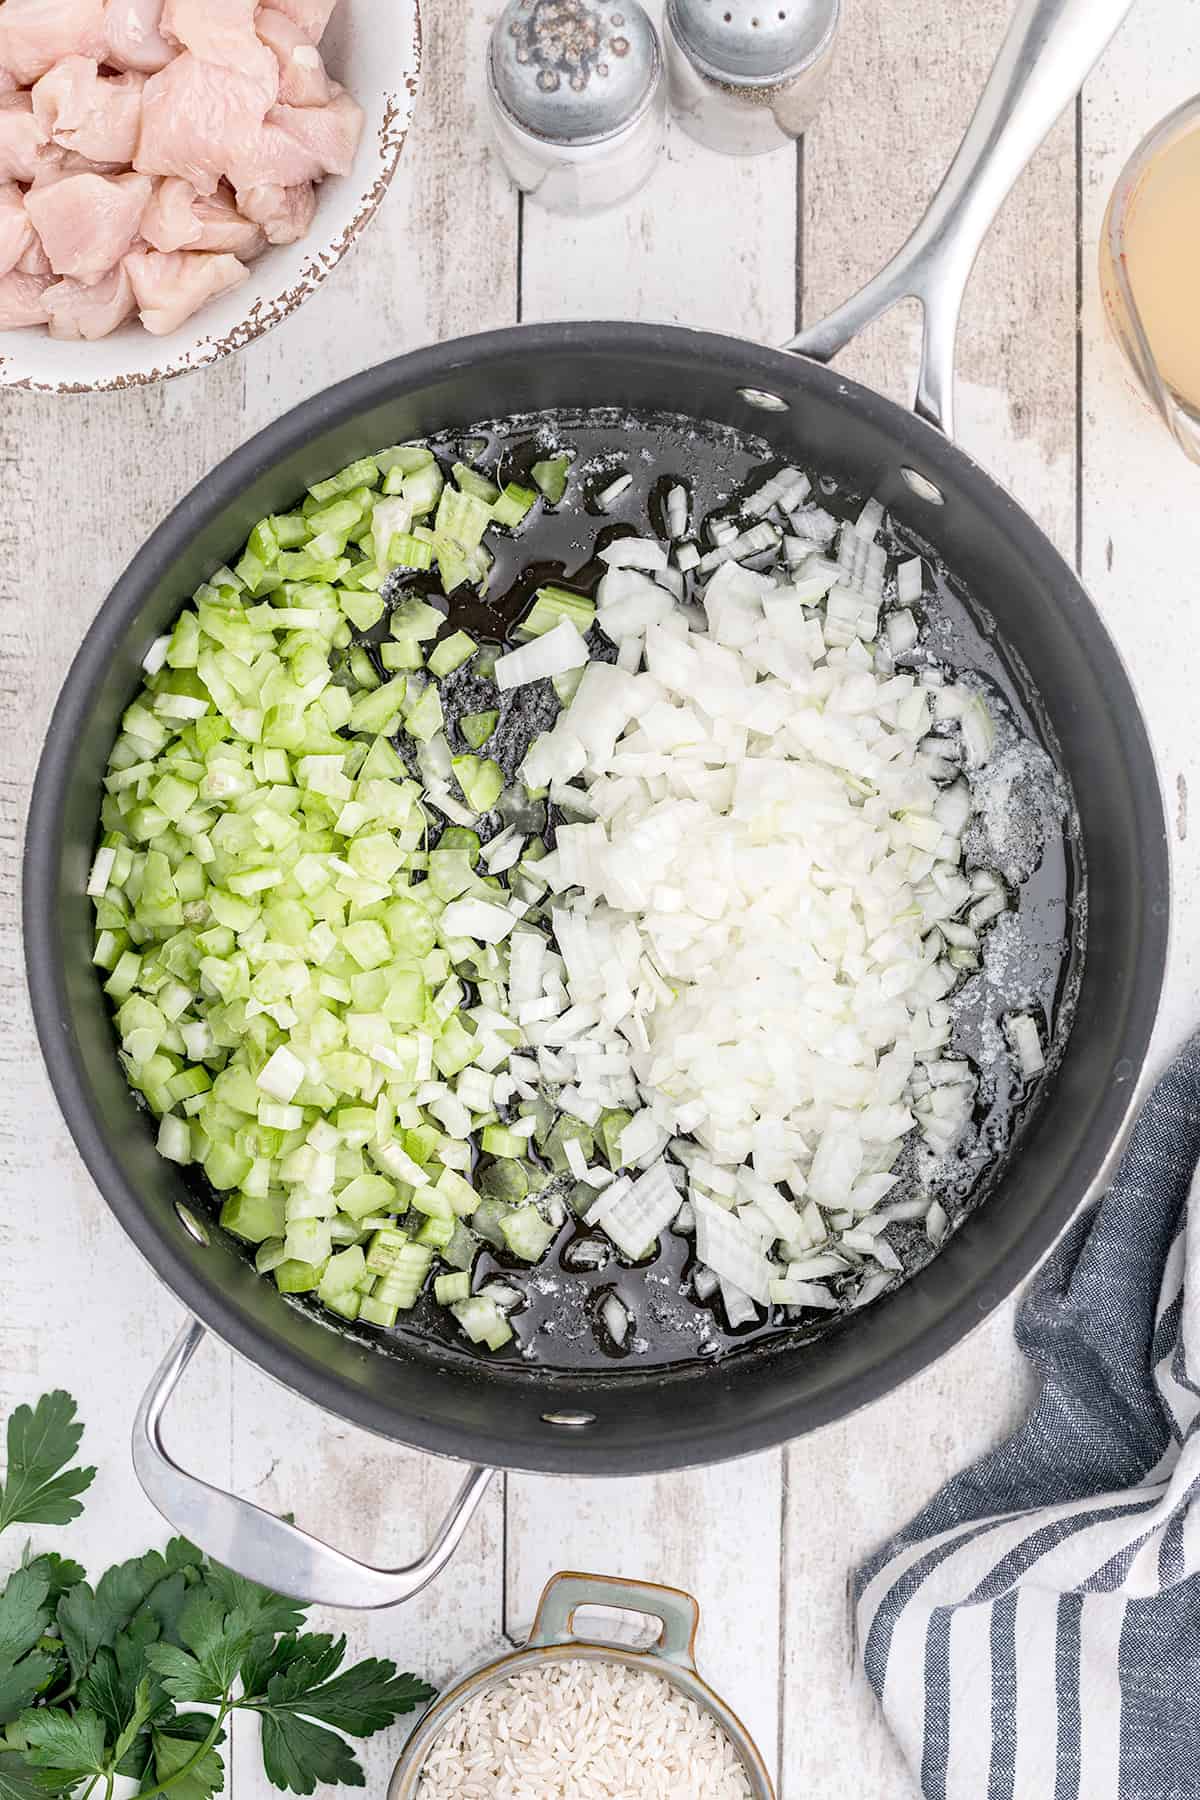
(582, 1730)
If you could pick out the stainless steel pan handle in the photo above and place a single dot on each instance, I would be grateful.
(1051, 47)
(258, 1545)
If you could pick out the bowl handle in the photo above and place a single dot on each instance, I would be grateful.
(677, 1613)
(255, 1543)
(1050, 49)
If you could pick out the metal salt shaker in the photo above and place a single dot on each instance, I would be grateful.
(748, 75)
(578, 99)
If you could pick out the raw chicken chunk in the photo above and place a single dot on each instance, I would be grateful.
(170, 288)
(34, 261)
(133, 38)
(21, 300)
(330, 133)
(98, 116)
(35, 34)
(195, 116)
(296, 144)
(76, 311)
(16, 232)
(222, 227)
(55, 164)
(88, 222)
(8, 82)
(178, 218)
(312, 16)
(21, 139)
(169, 221)
(302, 77)
(222, 32)
(285, 213)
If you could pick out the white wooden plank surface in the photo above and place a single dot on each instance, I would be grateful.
(766, 1544)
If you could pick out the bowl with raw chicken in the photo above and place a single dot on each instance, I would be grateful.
(177, 176)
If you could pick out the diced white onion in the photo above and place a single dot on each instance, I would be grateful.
(616, 1318)
(553, 653)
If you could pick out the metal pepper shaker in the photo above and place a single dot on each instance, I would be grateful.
(748, 75)
(577, 93)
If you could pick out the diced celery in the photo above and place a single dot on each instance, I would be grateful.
(405, 551)
(362, 609)
(482, 1321)
(342, 1274)
(378, 711)
(383, 1252)
(374, 1311)
(292, 1277)
(226, 1167)
(482, 781)
(478, 727)
(551, 605)
(470, 481)
(526, 1233)
(363, 473)
(505, 1179)
(455, 1047)
(449, 1288)
(565, 1127)
(513, 504)
(462, 518)
(608, 1132)
(551, 477)
(253, 1217)
(498, 1140)
(424, 720)
(451, 653)
(436, 1232)
(402, 655)
(367, 1194)
(461, 1195)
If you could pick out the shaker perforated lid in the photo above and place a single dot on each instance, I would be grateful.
(573, 72)
(753, 40)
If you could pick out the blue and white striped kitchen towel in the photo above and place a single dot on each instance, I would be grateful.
(1034, 1634)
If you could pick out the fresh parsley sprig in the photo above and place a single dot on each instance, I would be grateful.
(100, 1682)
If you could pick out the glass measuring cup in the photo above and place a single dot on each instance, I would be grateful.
(1150, 334)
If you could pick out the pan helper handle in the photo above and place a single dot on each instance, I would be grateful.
(1051, 47)
(260, 1546)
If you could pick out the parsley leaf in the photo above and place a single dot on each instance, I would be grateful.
(72, 1743)
(124, 1697)
(90, 1619)
(19, 1782)
(144, 1707)
(23, 1613)
(361, 1700)
(38, 1488)
(59, 1572)
(297, 1755)
(216, 1643)
(272, 1613)
(301, 1689)
(311, 1659)
(172, 1754)
(24, 1617)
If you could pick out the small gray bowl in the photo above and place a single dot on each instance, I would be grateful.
(553, 1639)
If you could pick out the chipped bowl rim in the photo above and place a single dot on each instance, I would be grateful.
(285, 276)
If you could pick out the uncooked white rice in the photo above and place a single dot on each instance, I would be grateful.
(583, 1730)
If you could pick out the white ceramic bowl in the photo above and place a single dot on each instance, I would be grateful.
(373, 47)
